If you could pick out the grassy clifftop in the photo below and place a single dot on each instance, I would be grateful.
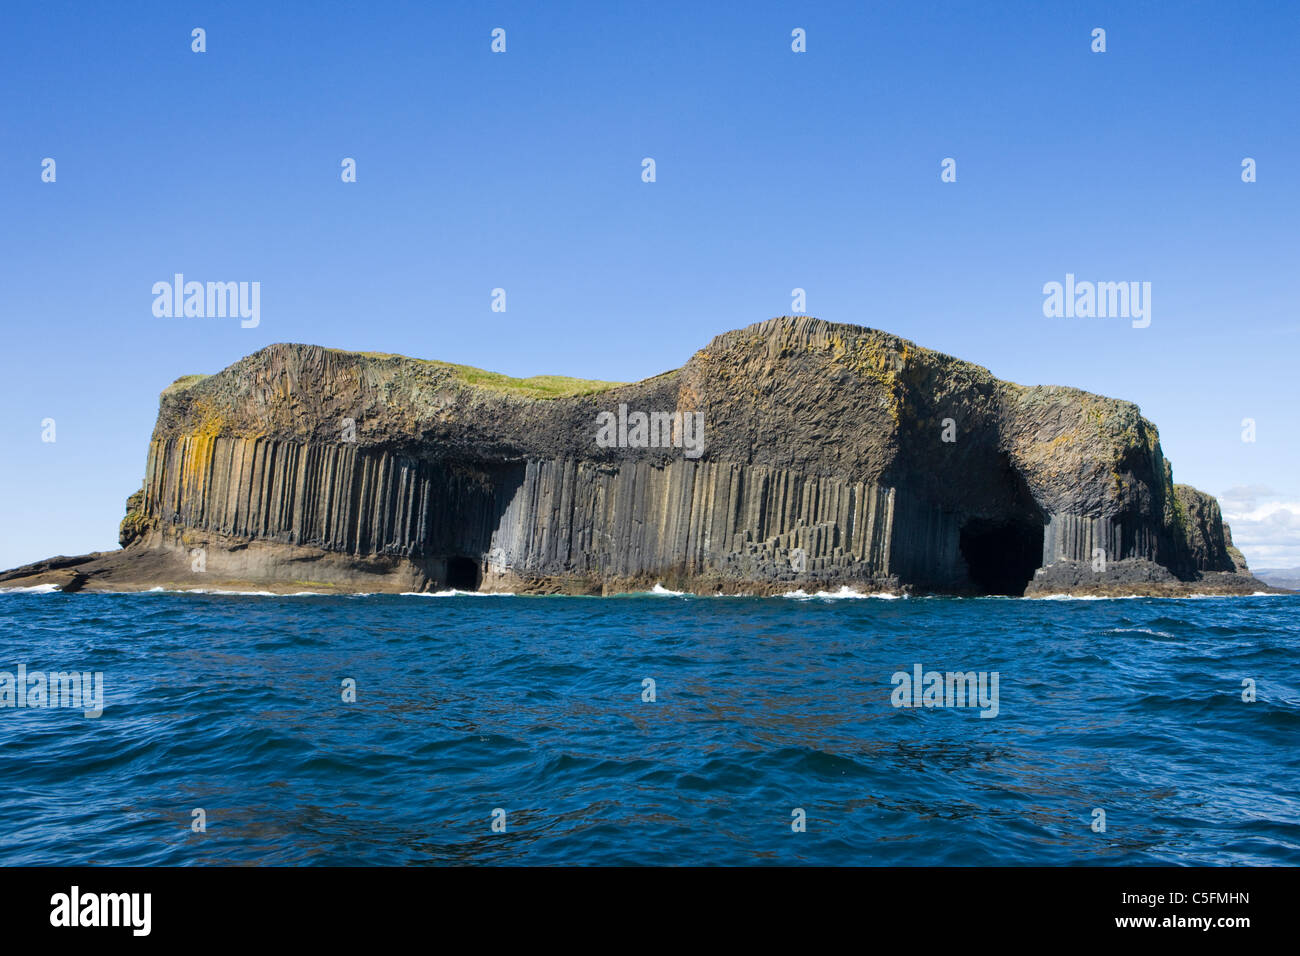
(534, 386)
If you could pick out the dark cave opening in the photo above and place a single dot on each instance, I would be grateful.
(1002, 556)
(462, 574)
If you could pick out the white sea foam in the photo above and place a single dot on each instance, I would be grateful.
(452, 592)
(1206, 597)
(1137, 630)
(226, 591)
(845, 592)
(232, 593)
(1149, 597)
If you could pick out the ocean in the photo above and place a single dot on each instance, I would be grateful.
(650, 729)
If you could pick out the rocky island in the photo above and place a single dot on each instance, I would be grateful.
(791, 454)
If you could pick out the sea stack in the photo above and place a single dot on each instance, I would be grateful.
(791, 454)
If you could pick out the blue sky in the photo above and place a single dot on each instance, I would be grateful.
(522, 171)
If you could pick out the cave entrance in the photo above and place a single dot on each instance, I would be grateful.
(462, 574)
(1002, 556)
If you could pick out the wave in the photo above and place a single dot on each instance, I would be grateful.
(1207, 597)
(228, 591)
(843, 593)
(1137, 630)
(690, 777)
(453, 592)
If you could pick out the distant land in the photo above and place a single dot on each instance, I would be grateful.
(791, 454)
(1288, 578)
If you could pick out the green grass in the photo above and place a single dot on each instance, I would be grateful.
(185, 381)
(536, 386)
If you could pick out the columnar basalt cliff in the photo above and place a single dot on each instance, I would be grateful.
(832, 456)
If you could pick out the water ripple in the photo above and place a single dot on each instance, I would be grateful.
(763, 709)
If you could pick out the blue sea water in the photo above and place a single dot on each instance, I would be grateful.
(467, 704)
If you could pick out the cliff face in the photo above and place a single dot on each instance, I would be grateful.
(821, 455)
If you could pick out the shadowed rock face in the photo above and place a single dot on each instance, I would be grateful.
(832, 455)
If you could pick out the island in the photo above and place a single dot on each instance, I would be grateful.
(793, 455)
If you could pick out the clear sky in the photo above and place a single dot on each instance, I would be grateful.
(523, 171)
